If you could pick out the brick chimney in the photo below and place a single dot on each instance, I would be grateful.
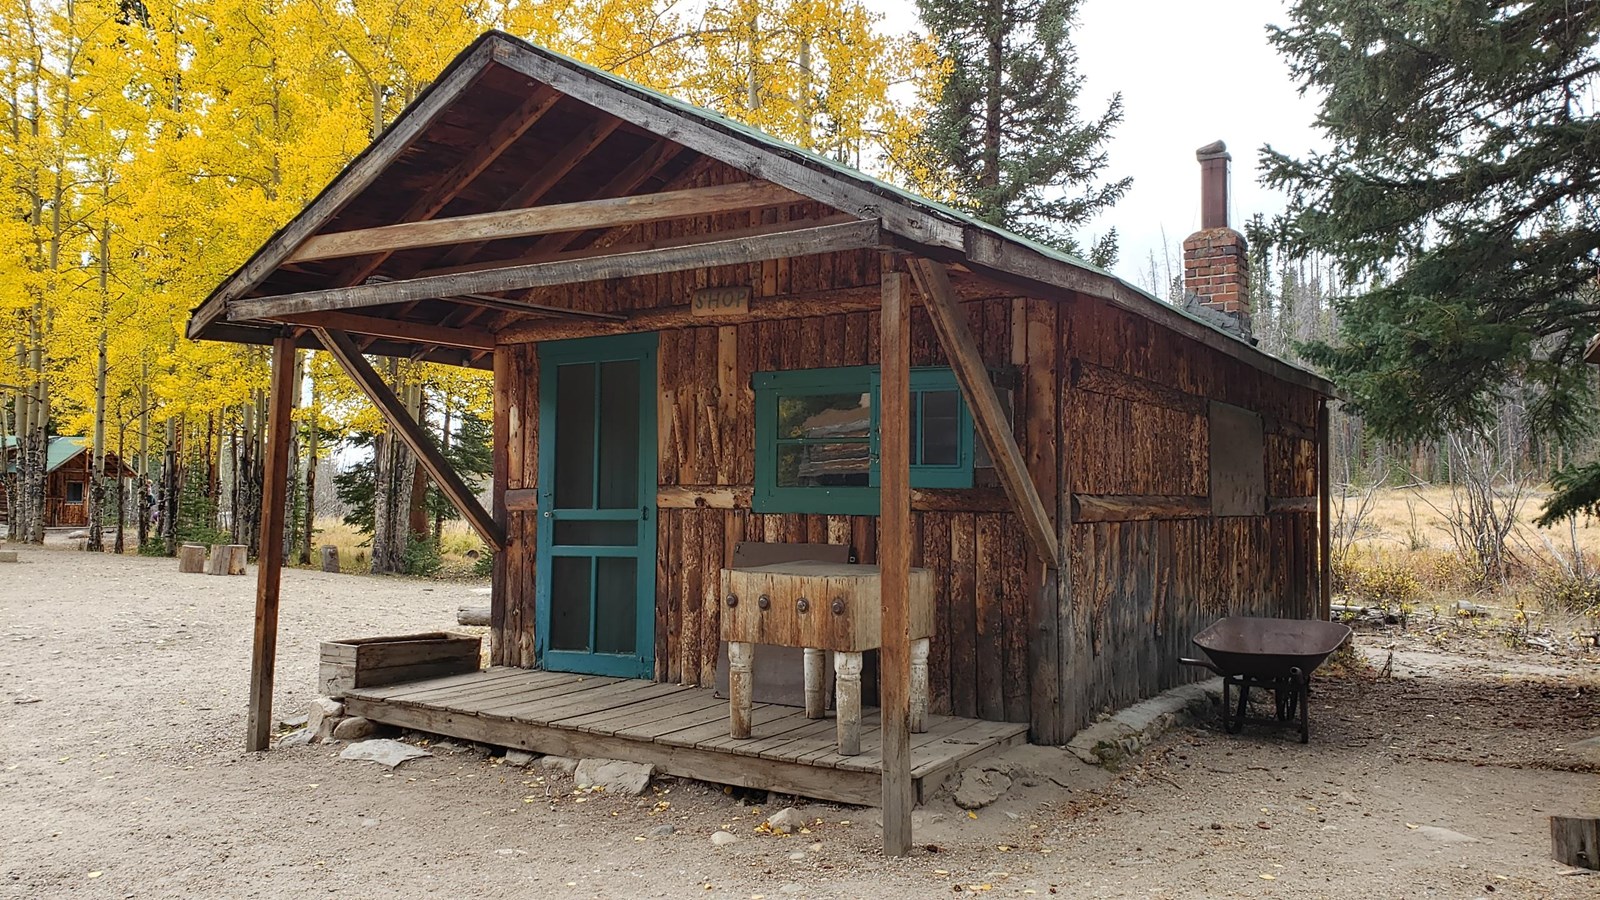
(1216, 269)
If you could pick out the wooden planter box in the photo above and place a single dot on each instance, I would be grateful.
(370, 662)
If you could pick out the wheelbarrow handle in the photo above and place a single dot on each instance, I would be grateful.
(1202, 663)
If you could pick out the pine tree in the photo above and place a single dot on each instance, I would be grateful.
(1005, 139)
(1460, 190)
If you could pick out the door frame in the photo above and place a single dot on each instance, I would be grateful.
(608, 348)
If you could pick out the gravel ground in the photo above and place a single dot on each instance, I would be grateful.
(122, 700)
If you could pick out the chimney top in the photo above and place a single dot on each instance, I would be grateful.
(1214, 165)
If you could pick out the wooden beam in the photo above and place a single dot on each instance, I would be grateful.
(394, 412)
(551, 219)
(864, 298)
(894, 560)
(633, 176)
(592, 251)
(950, 325)
(737, 496)
(353, 180)
(711, 253)
(1137, 508)
(545, 177)
(539, 101)
(269, 563)
(1086, 376)
(422, 333)
(1324, 514)
(1292, 505)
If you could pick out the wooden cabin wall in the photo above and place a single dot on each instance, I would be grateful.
(1134, 426)
(706, 461)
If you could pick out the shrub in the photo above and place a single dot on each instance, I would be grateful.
(483, 566)
(1380, 582)
(421, 557)
(1561, 591)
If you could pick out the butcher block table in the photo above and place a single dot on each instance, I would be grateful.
(820, 607)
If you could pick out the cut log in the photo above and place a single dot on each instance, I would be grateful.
(226, 559)
(1575, 841)
(192, 558)
(472, 615)
(330, 558)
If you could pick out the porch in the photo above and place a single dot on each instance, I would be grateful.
(682, 730)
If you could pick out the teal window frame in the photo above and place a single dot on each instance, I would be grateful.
(860, 500)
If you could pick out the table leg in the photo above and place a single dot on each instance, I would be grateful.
(919, 685)
(847, 688)
(815, 700)
(741, 655)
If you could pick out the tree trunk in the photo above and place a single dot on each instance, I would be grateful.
(97, 476)
(311, 477)
(169, 491)
(145, 486)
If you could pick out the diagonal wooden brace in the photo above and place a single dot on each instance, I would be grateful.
(394, 412)
(950, 324)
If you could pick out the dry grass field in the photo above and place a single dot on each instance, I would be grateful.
(1406, 556)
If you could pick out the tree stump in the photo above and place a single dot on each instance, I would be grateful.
(192, 558)
(227, 559)
(330, 558)
(1575, 841)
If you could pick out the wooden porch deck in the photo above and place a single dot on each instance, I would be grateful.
(682, 730)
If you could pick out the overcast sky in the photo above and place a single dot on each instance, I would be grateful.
(1189, 73)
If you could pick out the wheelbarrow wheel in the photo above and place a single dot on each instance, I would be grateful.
(1303, 697)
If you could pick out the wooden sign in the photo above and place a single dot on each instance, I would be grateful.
(720, 301)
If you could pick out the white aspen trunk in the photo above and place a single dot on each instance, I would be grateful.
(97, 476)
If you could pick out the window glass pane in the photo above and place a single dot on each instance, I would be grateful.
(616, 604)
(619, 435)
(939, 429)
(841, 464)
(569, 532)
(569, 603)
(825, 416)
(575, 436)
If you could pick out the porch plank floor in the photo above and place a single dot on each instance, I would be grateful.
(682, 730)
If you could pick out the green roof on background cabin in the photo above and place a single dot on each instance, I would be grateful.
(61, 449)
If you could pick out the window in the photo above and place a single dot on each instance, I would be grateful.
(74, 492)
(817, 438)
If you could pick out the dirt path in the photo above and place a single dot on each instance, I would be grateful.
(122, 696)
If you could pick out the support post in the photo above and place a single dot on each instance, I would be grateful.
(816, 703)
(269, 564)
(1324, 515)
(741, 656)
(847, 702)
(894, 560)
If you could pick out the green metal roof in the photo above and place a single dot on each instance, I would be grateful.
(60, 450)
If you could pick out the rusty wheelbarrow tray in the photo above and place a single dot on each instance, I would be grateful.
(1274, 654)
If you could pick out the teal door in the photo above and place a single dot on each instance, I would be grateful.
(597, 494)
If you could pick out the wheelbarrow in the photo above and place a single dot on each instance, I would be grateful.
(1271, 654)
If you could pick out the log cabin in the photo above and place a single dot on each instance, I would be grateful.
(703, 339)
(69, 465)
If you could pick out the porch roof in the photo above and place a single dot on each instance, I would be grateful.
(509, 126)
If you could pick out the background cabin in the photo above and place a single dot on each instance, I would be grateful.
(69, 465)
(690, 340)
